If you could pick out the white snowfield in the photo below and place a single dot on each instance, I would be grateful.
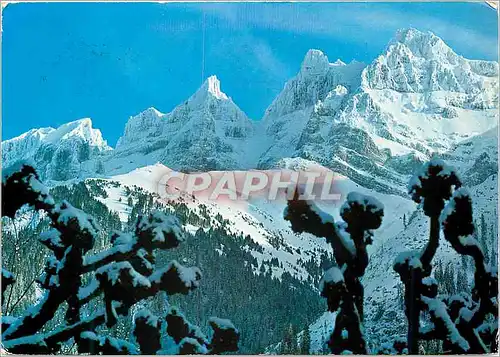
(371, 124)
(259, 218)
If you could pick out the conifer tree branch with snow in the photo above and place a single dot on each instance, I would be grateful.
(466, 323)
(341, 284)
(122, 275)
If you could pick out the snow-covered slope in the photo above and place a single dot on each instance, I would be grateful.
(477, 157)
(256, 219)
(259, 218)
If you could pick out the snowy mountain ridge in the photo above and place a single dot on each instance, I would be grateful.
(416, 98)
(57, 153)
(79, 129)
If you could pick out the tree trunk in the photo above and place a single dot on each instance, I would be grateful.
(413, 301)
(433, 244)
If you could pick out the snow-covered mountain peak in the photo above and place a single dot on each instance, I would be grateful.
(315, 62)
(316, 78)
(152, 112)
(140, 126)
(57, 153)
(338, 62)
(209, 90)
(81, 128)
(212, 85)
(422, 44)
(418, 62)
(207, 131)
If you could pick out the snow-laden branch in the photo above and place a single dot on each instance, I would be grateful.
(341, 285)
(124, 275)
(454, 320)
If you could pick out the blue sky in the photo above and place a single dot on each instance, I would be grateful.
(108, 61)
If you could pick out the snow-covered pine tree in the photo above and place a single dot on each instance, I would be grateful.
(462, 283)
(466, 323)
(122, 275)
(99, 167)
(450, 279)
(305, 341)
(288, 345)
(463, 259)
(484, 238)
(494, 246)
(484, 228)
(341, 284)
